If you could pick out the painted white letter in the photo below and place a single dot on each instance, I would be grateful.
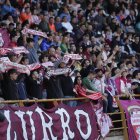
(65, 124)
(7, 115)
(46, 125)
(78, 113)
(20, 114)
(32, 124)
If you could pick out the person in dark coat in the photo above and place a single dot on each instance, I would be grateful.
(67, 88)
(33, 85)
(9, 85)
(53, 87)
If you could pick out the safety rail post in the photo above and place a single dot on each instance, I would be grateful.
(21, 104)
(125, 132)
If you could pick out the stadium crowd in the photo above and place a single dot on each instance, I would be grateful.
(104, 33)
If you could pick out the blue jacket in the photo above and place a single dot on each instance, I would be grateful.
(45, 45)
(8, 9)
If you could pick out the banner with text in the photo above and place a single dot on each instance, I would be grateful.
(132, 110)
(59, 123)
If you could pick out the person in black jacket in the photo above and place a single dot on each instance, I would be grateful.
(53, 87)
(68, 89)
(33, 85)
(9, 85)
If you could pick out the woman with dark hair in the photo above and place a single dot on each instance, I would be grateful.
(80, 89)
(94, 96)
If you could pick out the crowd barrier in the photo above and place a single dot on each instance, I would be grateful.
(121, 112)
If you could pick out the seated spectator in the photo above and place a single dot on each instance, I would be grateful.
(136, 76)
(26, 15)
(52, 24)
(64, 44)
(85, 68)
(67, 25)
(80, 89)
(43, 25)
(66, 14)
(135, 88)
(87, 81)
(86, 88)
(58, 24)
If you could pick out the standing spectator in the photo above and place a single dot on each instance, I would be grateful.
(68, 88)
(53, 87)
(32, 56)
(33, 85)
(58, 24)
(9, 85)
(101, 85)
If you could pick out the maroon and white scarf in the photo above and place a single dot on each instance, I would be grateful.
(34, 32)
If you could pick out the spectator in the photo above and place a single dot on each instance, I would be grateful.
(9, 85)
(32, 56)
(67, 25)
(101, 84)
(80, 89)
(136, 76)
(66, 14)
(52, 24)
(87, 81)
(53, 87)
(43, 25)
(33, 85)
(135, 88)
(65, 44)
(58, 24)
(68, 88)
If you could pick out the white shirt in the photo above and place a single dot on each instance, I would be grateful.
(68, 26)
(100, 84)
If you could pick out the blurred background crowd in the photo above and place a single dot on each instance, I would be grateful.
(105, 33)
